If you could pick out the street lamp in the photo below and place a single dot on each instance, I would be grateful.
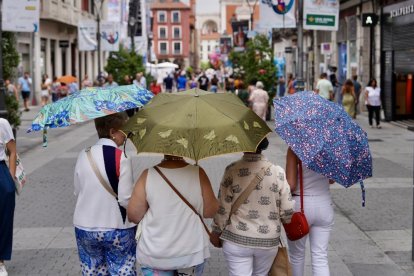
(132, 24)
(98, 8)
(3, 111)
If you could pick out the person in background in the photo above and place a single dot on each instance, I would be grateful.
(252, 86)
(373, 102)
(73, 88)
(63, 90)
(168, 83)
(251, 235)
(140, 80)
(25, 84)
(319, 214)
(7, 192)
(155, 88)
(54, 89)
(127, 80)
(45, 92)
(357, 89)
(282, 86)
(110, 83)
(214, 84)
(193, 82)
(348, 98)
(11, 89)
(103, 183)
(259, 100)
(324, 87)
(203, 81)
(86, 82)
(173, 237)
(182, 81)
(291, 84)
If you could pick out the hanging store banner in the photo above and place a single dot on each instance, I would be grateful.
(277, 14)
(321, 15)
(114, 10)
(21, 15)
(87, 35)
(110, 35)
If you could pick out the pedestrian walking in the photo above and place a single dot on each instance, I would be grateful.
(45, 92)
(103, 184)
(319, 214)
(324, 87)
(349, 98)
(282, 86)
(357, 89)
(251, 231)
(11, 89)
(252, 86)
(155, 88)
(55, 89)
(7, 192)
(182, 81)
(127, 80)
(291, 84)
(173, 238)
(203, 81)
(168, 83)
(86, 82)
(110, 83)
(193, 82)
(214, 84)
(25, 84)
(373, 102)
(258, 100)
(140, 80)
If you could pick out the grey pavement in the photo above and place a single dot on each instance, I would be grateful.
(375, 240)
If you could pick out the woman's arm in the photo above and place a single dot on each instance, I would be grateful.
(11, 148)
(210, 202)
(138, 205)
(126, 182)
(291, 169)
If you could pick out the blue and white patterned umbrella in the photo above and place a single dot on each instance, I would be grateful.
(324, 137)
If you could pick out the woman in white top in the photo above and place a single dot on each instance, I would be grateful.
(46, 82)
(259, 100)
(7, 192)
(103, 185)
(319, 214)
(173, 238)
(373, 102)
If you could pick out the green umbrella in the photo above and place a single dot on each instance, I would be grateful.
(196, 124)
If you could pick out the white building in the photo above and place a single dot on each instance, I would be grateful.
(208, 33)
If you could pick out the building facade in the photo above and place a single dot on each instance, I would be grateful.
(209, 34)
(172, 32)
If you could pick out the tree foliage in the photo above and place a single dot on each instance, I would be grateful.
(10, 55)
(124, 63)
(256, 62)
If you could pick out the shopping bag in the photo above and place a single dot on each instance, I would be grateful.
(281, 264)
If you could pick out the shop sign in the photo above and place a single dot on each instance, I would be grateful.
(321, 15)
(288, 50)
(326, 48)
(20, 15)
(64, 43)
(402, 11)
(369, 19)
(320, 20)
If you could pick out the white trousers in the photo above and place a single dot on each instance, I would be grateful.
(245, 261)
(320, 216)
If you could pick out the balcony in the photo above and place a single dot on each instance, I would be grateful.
(56, 10)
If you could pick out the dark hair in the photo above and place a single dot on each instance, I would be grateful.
(370, 82)
(323, 76)
(262, 146)
(354, 77)
(349, 83)
(104, 124)
(54, 78)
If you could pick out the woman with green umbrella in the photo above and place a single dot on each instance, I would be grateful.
(173, 238)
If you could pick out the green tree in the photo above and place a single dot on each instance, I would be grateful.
(124, 63)
(256, 63)
(10, 63)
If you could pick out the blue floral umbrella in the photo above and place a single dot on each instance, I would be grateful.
(324, 137)
(89, 104)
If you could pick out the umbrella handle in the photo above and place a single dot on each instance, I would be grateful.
(361, 183)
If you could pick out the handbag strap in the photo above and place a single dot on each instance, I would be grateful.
(182, 198)
(98, 173)
(245, 194)
(301, 187)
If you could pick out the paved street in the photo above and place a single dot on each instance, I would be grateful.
(375, 240)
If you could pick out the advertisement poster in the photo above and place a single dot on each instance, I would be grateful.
(110, 36)
(225, 45)
(87, 35)
(321, 15)
(114, 10)
(240, 30)
(277, 14)
(21, 15)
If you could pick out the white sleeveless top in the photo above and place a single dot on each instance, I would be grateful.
(172, 234)
(314, 184)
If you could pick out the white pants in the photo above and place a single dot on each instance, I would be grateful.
(245, 261)
(320, 216)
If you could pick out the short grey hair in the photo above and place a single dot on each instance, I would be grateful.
(259, 85)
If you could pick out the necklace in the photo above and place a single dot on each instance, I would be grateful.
(173, 158)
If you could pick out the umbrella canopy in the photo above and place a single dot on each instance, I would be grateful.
(167, 65)
(89, 104)
(324, 137)
(67, 79)
(196, 124)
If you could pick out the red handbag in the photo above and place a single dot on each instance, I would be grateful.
(298, 226)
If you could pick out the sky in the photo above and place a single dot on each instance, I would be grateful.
(207, 6)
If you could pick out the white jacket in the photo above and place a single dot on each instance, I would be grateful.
(95, 207)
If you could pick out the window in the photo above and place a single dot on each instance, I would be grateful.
(176, 17)
(162, 32)
(177, 48)
(163, 48)
(208, 48)
(177, 32)
(162, 16)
